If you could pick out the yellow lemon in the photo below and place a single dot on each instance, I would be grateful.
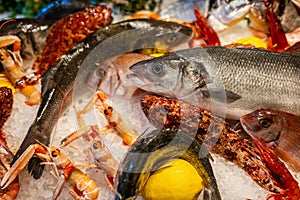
(177, 180)
(257, 42)
(157, 54)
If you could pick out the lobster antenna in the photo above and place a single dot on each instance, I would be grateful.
(7, 21)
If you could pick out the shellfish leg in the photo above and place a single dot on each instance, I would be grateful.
(290, 187)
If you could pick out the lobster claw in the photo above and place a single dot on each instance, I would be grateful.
(17, 167)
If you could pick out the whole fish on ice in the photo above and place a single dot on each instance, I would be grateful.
(241, 79)
(69, 74)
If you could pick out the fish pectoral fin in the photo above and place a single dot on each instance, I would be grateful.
(220, 94)
(35, 168)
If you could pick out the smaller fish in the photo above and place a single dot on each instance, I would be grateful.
(224, 14)
(279, 130)
(110, 76)
(184, 9)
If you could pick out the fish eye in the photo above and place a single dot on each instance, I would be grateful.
(171, 38)
(265, 123)
(100, 72)
(158, 69)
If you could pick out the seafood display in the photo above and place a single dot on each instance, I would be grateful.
(214, 132)
(98, 105)
(278, 129)
(58, 83)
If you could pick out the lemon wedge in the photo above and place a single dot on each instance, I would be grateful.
(177, 180)
(257, 42)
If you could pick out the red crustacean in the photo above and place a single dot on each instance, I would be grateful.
(68, 31)
(6, 102)
(222, 140)
(277, 40)
(286, 181)
(11, 192)
(204, 31)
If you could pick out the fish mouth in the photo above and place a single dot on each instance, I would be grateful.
(141, 82)
(150, 87)
(245, 125)
(137, 80)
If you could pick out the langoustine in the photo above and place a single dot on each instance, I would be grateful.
(279, 130)
(83, 187)
(12, 64)
(215, 133)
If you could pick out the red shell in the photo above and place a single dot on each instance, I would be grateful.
(6, 103)
(68, 31)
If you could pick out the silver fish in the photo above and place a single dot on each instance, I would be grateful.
(280, 131)
(240, 80)
(184, 9)
(224, 14)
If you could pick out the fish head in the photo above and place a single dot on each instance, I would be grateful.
(263, 123)
(175, 75)
(171, 75)
(225, 14)
(156, 75)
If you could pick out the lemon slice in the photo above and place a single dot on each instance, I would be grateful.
(257, 42)
(177, 180)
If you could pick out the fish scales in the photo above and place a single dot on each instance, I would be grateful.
(250, 78)
(69, 73)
